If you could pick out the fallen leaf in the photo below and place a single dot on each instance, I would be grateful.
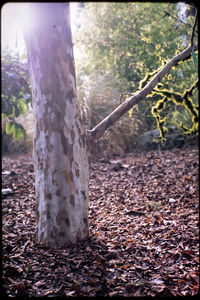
(155, 241)
(40, 283)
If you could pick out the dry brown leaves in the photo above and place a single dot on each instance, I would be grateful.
(144, 238)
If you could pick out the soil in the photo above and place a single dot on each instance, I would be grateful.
(144, 238)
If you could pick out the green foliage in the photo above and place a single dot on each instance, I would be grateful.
(16, 129)
(9, 127)
(128, 37)
(131, 41)
(19, 131)
(16, 92)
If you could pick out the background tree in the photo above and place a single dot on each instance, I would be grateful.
(109, 74)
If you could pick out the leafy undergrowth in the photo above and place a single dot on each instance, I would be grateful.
(144, 238)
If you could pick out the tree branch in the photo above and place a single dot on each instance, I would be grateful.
(98, 131)
(193, 30)
(177, 19)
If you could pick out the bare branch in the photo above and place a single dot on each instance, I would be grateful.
(177, 19)
(193, 30)
(99, 130)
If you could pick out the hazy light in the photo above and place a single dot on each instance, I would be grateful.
(12, 37)
(73, 15)
(14, 16)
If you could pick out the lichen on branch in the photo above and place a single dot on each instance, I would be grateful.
(147, 87)
(184, 99)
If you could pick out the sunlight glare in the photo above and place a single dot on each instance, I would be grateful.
(14, 17)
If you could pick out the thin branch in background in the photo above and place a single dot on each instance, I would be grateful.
(193, 30)
(166, 13)
(99, 130)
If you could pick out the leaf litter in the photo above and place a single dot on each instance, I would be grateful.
(144, 237)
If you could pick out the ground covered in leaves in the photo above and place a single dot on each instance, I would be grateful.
(144, 237)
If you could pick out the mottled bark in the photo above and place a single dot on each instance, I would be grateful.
(60, 148)
(99, 130)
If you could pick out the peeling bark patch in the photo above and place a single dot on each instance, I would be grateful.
(49, 146)
(66, 130)
(41, 238)
(84, 195)
(77, 172)
(49, 196)
(72, 200)
(73, 135)
(65, 70)
(64, 142)
(59, 118)
(48, 211)
(58, 193)
(78, 113)
(44, 85)
(54, 233)
(67, 222)
(70, 95)
(70, 181)
(37, 133)
(62, 217)
(82, 140)
(78, 125)
(71, 67)
(62, 234)
(78, 235)
(41, 124)
(85, 221)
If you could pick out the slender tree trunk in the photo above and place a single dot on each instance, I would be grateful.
(60, 148)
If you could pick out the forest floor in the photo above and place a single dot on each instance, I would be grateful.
(144, 237)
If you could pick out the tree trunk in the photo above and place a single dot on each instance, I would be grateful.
(60, 148)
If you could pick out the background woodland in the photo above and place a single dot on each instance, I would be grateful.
(114, 50)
